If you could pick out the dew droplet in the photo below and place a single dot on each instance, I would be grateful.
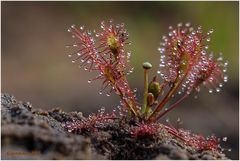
(229, 150)
(89, 81)
(73, 61)
(187, 24)
(69, 130)
(73, 26)
(220, 58)
(135, 90)
(179, 24)
(199, 28)
(178, 119)
(210, 91)
(224, 139)
(101, 110)
(210, 31)
(69, 55)
(191, 29)
(108, 94)
(225, 78)
(89, 33)
(218, 89)
(100, 92)
(167, 120)
(131, 70)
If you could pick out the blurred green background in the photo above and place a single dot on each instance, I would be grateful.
(35, 66)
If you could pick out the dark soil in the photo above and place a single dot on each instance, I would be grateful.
(31, 134)
(28, 133)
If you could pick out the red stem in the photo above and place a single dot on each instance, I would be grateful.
(172, 107)
(166, 98)
(133, 109)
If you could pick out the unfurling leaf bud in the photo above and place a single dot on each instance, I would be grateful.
(147, 65)
(114, 44)
(150, 99)
(154, 88)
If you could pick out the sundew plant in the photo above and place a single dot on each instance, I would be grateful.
(185, 68)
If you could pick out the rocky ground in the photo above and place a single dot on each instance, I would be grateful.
(29, 133)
